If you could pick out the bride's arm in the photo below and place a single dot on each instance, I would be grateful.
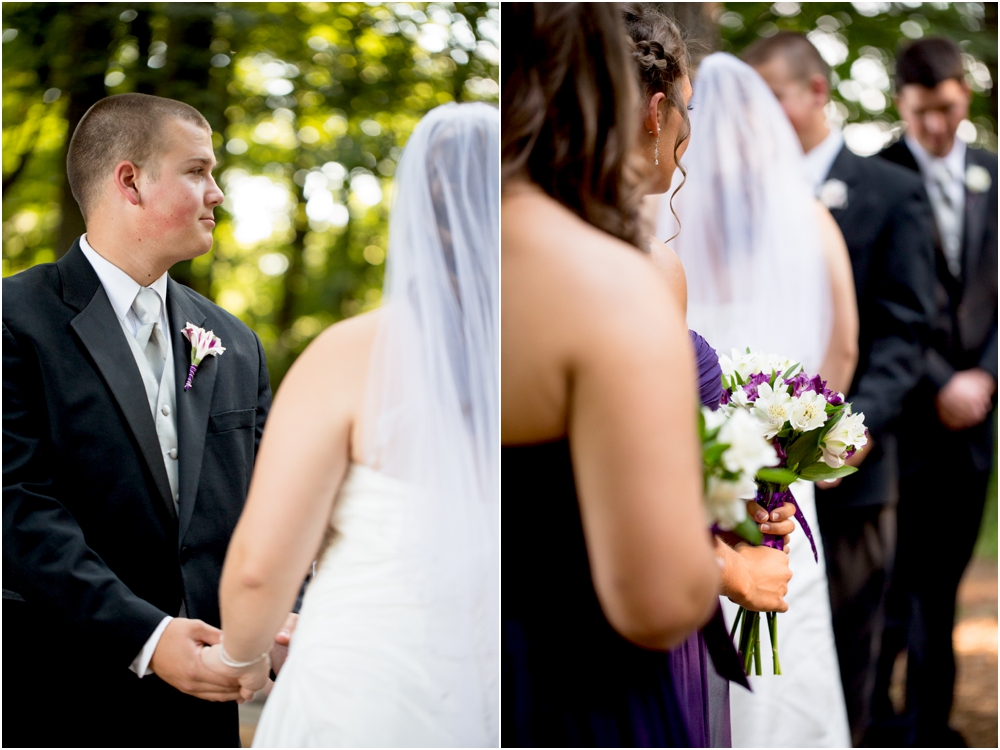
(303, 458)
(842, 352)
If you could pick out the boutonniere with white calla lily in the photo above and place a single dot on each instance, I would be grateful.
(203, 344)
(977, 179)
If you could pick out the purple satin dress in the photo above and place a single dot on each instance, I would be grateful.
(702, 693)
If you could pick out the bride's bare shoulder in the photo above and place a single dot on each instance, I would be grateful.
(337, 358)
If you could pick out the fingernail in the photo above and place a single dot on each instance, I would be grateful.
(775, 516)
(761, 515)
(283, 632)
(765, 527)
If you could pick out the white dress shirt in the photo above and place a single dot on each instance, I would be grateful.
(944, 179)
(820, 158)
(122, 290)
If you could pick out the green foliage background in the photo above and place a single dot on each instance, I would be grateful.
(310, 103)
(865, 37)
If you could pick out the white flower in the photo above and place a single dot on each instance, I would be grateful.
(847, 434)
(833, 194)
(740, 398)
(203, 343)
(740, 363)
(808, 411)
(726, 501)
(977, 179)
(715, 418)
(748, 450)
(772, 407)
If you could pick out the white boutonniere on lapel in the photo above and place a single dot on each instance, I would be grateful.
(833, 194)
(203, 344)
(977, 179)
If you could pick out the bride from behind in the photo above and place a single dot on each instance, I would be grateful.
(767, 268)
(381, 461)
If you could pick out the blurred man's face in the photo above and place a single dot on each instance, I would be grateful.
(933, 115)
(802, 100)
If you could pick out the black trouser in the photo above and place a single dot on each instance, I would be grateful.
(858, 543)
(942, 492)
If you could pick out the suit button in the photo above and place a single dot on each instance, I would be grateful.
(185, 554)
(172, 453)
(165, 410)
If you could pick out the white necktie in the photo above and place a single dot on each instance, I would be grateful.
(149, 337)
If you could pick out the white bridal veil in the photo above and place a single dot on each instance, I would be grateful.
(434, 400)
(749, 239)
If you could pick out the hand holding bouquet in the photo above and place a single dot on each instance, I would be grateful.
(812, 431)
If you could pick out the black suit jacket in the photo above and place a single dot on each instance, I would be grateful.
(94, 553)
(886, 224)
(965, 321)
(964, 325)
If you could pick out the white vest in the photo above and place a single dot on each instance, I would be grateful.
(163, 405)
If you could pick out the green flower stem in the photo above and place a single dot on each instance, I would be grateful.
(756, 646)
(736, 622)
(773, 617)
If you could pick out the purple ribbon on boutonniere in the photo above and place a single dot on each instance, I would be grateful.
(203, 344)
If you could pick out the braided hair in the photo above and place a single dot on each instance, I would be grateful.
(661, 59)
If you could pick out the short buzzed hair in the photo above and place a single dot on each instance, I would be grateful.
(124, 127)
(929, 62)
(804, 60)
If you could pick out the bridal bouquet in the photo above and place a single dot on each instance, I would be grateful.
(812, 431)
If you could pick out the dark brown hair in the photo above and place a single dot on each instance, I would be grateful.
(929, 62)
(569, 108)
(661, 58)
(124, 127)
(803, 59)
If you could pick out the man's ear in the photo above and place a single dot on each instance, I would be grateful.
(820, 88)
(126, 177)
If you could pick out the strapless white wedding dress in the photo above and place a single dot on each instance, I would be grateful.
(804, 707)
(362, 670)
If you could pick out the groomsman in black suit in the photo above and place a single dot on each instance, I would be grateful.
(885, 219)
(946, 440)
(121, 487)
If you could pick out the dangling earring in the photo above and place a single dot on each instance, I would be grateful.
(656, 148)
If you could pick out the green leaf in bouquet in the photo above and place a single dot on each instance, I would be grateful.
(748, 529)
(792, 371)
(804, 450)
(820, 472)
(713, 452)
(783, 477)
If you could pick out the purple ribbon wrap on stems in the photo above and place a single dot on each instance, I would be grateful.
(771, 496)
(190, 378)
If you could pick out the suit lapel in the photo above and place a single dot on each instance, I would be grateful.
(974, 226)
(100, 332)
(192, 405)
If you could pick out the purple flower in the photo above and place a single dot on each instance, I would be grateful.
(802, 383)
(780, 450)
(725, 397)
(753, 382)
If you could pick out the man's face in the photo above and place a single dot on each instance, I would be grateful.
(179, 202)
(802, 102)
(933, 115)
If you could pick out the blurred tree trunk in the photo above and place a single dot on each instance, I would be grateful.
(697, 21)
(990, 22)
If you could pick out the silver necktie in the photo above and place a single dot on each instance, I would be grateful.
(149, 337)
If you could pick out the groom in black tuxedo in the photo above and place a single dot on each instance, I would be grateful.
(885, 219)
(945, 445)
(121, 487)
